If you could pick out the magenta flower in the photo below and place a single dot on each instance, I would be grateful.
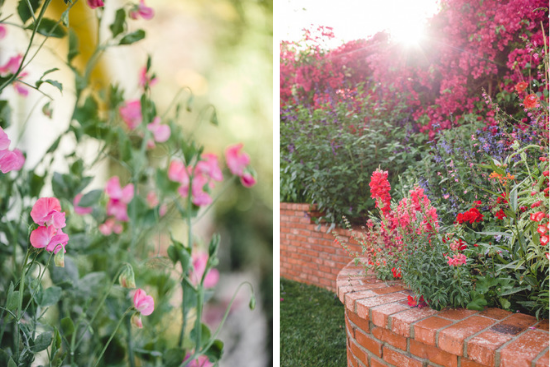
(141, 10)
(3, 31)
(79, 209)
(49, 237)
(143, 303)
(199, 266)
(119, 198)
(236, 161)
(248, 179)
(131, 113)
(95, 4)
(209, 167)
(109, 227)
(11, 160)
(11, 66)
(161, 133)
(4, 140)
(47, 212)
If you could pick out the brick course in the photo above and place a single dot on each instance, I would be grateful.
(382, 330)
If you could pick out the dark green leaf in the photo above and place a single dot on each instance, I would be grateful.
(67, 326)
(5, 114)
(118, 25)
(42, 342)
(90, 198)
(214, 353)
(49, 297)
(49, 28)
(133, 37)
(173, 357)
(73, 46)
(24, 11)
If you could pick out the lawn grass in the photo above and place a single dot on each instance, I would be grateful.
(312, 327)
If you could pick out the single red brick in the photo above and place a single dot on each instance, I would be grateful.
(401, 322)
(432, 353)
(495, 313)
(363, 306)
(465, 362)
(543, 361)
(376, 363)
(514, 324)
(522, 351)
(482, 348)
(350, 329)
(452, 338)
(387, 290)
(398, 359)
(389, 337)
(425, 330)
(380, 314)
(359, 353)
(368, 343)
(351, 298)
(362, 323)
(456, 314)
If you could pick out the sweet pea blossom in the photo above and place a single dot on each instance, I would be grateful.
(236, 161)
(11, 66)
(143, 303)
(161, 133)
(131, 113)
(11, 160)
(199, 260)
(142, 10)
(47, 212)
(110, 226)
(145, 80)
(200, 361)
(95, 4)
(79, 209)
(119, 198)
(49, 237)
(3, 31)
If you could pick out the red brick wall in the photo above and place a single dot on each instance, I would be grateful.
(308, 253)
(382, 330)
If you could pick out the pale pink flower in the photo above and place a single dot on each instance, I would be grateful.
(119, 198)
(161, 133)
(3, 31)
(200, 361)
(178, 172)
(109, 227)
(142, 10)
(143, 303)
(11, 66)
(11, 160)
(79, 209)
(236, 161)
(131, 113)
(136, 320)
(152, 199)
(95, 4)
(4, 140)
(209, 166)
(145, 80)
(199, 266)
(163, 209)
(47, 212)
(49, 237)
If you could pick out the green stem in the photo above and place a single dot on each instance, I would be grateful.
(130, 346)
(20, 306)
(112, 336)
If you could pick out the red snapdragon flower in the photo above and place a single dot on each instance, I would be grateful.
(380, 189)
(396, 273)
(500, 214)
(471, 216)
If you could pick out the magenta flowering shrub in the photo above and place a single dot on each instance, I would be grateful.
(106, 276)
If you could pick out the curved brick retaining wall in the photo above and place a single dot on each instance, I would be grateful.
(308, 253)
(382, 330)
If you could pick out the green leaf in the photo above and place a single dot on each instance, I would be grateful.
(42, 342)
(514, 199)
(12, 302)
(49, 28)
(214, 353)
(5, 114)
(73, 46)
(205, 334)
(65, 18)
(55, 83)
(67, 326)
(11, 363)
(24, 11)
(118, 25)
(49, 297)
(505, 303)
(90, 198)
(214, 118)
(133, 37)
(173, 357)
(477, 304)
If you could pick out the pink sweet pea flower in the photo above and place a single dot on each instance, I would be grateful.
(145, 12)
(109, 227)
(199, 266)
(209, 167)
(119, 198)
(163, 209)
(79, 209)
(11, 66)
(131, 113)
(178, 172)
(145, 80)
(152, 199)
(161, 133)
(248, 179)
(95, 4)
(200, 361)
(143, 303)
(4, 140)
(49, 237)
(236, 161)
(47, 212)
(3, 31)
(11, 160)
